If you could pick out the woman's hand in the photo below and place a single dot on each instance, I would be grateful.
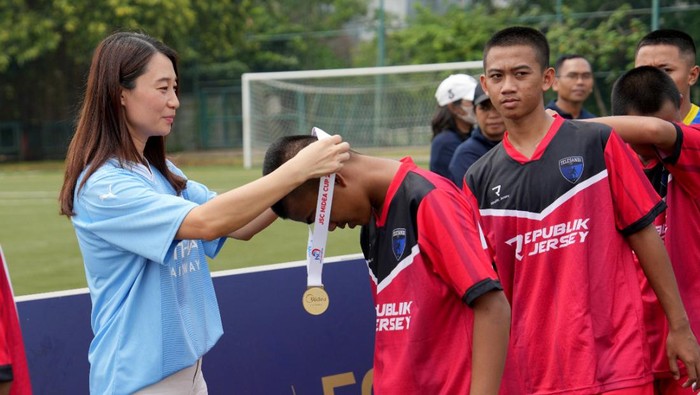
(322, 157)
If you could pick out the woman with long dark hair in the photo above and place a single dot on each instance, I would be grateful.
(145, 230)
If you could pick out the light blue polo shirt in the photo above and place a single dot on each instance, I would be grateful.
(154, 310)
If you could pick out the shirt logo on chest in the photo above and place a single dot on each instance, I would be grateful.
(497, 191)
(398, 242)
(571, 168)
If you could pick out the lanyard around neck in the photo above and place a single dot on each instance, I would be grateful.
(316, 247)
(315, 300)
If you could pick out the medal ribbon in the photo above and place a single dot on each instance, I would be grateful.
(316, 247)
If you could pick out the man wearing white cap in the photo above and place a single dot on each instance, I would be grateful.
(453, 120)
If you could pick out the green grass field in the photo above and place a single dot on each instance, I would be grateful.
(42, 252)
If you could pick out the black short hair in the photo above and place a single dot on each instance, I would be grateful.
(521, 35)
(643, 90)
(560, 61)
(676, 38)
(278, 153)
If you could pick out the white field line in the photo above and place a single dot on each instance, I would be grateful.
(220, 273)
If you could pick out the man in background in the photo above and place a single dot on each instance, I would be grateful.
(487, 134)
(573, 84)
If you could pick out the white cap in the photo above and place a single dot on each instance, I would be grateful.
(455, 87)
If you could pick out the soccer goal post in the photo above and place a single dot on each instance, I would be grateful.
(378, 107)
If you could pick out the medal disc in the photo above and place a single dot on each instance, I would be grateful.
(315, 300)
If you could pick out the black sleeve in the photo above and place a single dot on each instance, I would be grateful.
(645, 220)
(673, 158)
(481, 288)
(6, 373)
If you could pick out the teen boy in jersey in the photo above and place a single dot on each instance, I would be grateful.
(649, 91)
(673, 51)
(423, 245)
(564, 204)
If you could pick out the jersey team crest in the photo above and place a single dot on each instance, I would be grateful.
(398, 242)
(571, 168)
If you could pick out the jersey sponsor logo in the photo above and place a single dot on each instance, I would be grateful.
(398, 242)
(571, 168)
(393, 316)
(184, 268)
(553, 237)
(188, 262)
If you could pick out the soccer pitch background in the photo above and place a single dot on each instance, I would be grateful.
(42, 250)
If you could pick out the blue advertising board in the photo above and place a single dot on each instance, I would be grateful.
(270, 344)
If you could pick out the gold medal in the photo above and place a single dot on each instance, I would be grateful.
(315, 300)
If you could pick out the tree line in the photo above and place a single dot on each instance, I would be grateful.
(46, 45)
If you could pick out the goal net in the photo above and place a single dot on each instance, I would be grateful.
(376, 107)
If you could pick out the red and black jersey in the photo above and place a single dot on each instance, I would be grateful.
(683, 218)
(682, 192)
(557, 223)
(427, 261)
(683, 224)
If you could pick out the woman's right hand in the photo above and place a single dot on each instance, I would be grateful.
(322, 157)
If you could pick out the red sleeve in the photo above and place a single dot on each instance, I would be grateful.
(635, 202)
(5, 357)
(450, 236)
(684, 164)
(13, 362)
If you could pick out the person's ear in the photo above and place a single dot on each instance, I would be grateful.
(484, 83)
(340, 180)
(121, 97)
(693, 75)
(548, 79)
